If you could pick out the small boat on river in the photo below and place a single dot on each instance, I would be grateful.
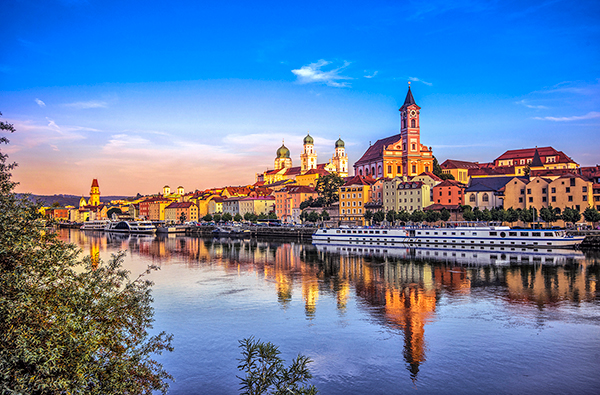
(231, 231)
(474, 234)
(131, 227)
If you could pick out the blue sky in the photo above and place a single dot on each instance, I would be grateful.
(201, 94)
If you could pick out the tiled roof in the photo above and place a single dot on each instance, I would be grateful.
(530, 152)
(450, 183)
(490, 184)
(431, 175)
(95, 183)
(180, 205)
(459, 164)
(359, 180)
(376, 150)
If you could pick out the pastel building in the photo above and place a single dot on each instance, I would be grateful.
(449, 193)
(288, 200)
(176, 210)
(354, 194)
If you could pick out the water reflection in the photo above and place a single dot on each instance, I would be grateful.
(400, 289)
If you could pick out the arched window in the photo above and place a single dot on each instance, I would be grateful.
(472, 198)
(360, 172)
(367, 171)
(485, 197)
(373, 170)
(379, 173)
(413, 123)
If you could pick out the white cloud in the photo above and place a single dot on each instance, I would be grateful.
(589, 115)
(40, 103)
(524, 103)
(415, 79)
(313, 73)
(83, 105)
(372, 75)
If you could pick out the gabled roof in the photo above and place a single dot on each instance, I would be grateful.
(318, 171)
(459, 164)
(490, 184)
(180, 205)
(536, 161)
(430, 175)
(376, 150)
(450, 183)
(359, 180)
(530, 152)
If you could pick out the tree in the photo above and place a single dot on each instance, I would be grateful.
(432, 216)
(403, 216)
(182, 218)
(390, 216)
(272, 215)
(250, 217)
(378, 216)
(547, 214)
(266, 373)
(571, 215)
(526, 215)
(217, 217)
(207, 218)
(468, 214)
(227, 217)
(237, 217)
(313, 216)
(591, 215)
(368, 216)
(511, 215)
(444, 215)
(325, 215)
(69, 326)
(263, 216)
(328, 186)
(486, 215)
(417, 216)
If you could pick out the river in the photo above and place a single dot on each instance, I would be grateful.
(373, 322)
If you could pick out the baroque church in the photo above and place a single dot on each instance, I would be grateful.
(401, 154)
(284, 169)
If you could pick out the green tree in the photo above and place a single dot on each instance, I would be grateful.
(226, 217)
(182, 218)
(437, 170)
(444, 215)
(238, 217)
(486, 215)
(378, 216)
(403, 216)
(432, 216)
(325, 215)
(250, 217)
(313, 216)
(591, 215)
(571, 215)
(307, 203)
(526, 215)
(217, 217)
(368, 216)
(417, 216)
(266, 373)
(512, 215)
(207, 218)
(328, 186)
(547, 214)
(263, 216)
(272, 215)
(69, 326)
(390, 216)
(468, 214)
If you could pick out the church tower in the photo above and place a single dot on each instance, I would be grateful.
(94, 194)
(410, 133)
(340, 159)
(308, 158)
(283, 160)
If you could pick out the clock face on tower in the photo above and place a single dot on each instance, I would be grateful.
(413, 113)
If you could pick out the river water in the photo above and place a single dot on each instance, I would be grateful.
(374, 322)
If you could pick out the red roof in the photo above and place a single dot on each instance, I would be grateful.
(527, 153)
(430, 174)
(180, 205)
(376, 150)
(459, 164)
(450, 183)
(359, 180)
(95, 183)
(319, 171)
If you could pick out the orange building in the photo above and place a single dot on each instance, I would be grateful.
(353, 196)
(449, 193)
(288, 199)
(175, 211)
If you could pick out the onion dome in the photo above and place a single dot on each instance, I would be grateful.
(283, 152)
(339, 143)
(308, 140)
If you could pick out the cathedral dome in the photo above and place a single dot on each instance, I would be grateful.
(283, 152)
(308, 139)
(339, 143)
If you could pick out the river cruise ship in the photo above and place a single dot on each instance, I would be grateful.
(131, 227)
(99, 224)
(457, 234)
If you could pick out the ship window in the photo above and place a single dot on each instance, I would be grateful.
(462, 233)
(376, 232)
(371, 232)
(549, 234)
(536, 234)
(418, 233)
(493, 233)
(360, 231)
(512, 233)
(353, 231)
(385, 232)
(443, 233)
(337, 231)
(453, 233)
(426, 233)
(524, 234)
(474, 233)
(502, 234)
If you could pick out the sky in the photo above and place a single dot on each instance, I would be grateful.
(142, 94)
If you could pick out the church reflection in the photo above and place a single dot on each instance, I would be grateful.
(401, 291)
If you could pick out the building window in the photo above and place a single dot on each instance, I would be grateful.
(412, 123)
(585, 198)
(529, 191)
(530, 199)
(584, 189)
(568, 190)
(472, 198)
(570, 198)
(414, 168)
(522, 192)
(572, 180)
(554, 198)
(485, 197)
(544, 199)
(543, 190)
(414, 147)
(553, 190)
(399, 169)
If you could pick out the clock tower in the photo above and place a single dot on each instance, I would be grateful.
(410, 133)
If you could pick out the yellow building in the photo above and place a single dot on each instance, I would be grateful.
(540, 158)
(353, 196)
(399, 155)
(459, 169)
(175, 210)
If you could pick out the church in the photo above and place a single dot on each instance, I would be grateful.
(309, 166)
(401, 154)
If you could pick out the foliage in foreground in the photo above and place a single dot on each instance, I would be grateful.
(66, 326)
(266, 373)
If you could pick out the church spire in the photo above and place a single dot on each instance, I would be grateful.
(409, 97)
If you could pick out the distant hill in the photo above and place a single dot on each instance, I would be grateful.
(70, 200)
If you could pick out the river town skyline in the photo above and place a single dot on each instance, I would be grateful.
(139, 95)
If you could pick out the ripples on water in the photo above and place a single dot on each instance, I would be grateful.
(403, 321)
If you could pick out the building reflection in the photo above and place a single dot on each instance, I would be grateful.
(399, 290)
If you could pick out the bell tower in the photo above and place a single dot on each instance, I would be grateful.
(308, 158)
(410, 133)
(94, 193)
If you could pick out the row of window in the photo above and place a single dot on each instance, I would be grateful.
(344, 211)
(553, 199)
(553, 190)
(353, 203)
(353, 195)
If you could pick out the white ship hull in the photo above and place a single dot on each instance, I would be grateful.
(131, 227)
